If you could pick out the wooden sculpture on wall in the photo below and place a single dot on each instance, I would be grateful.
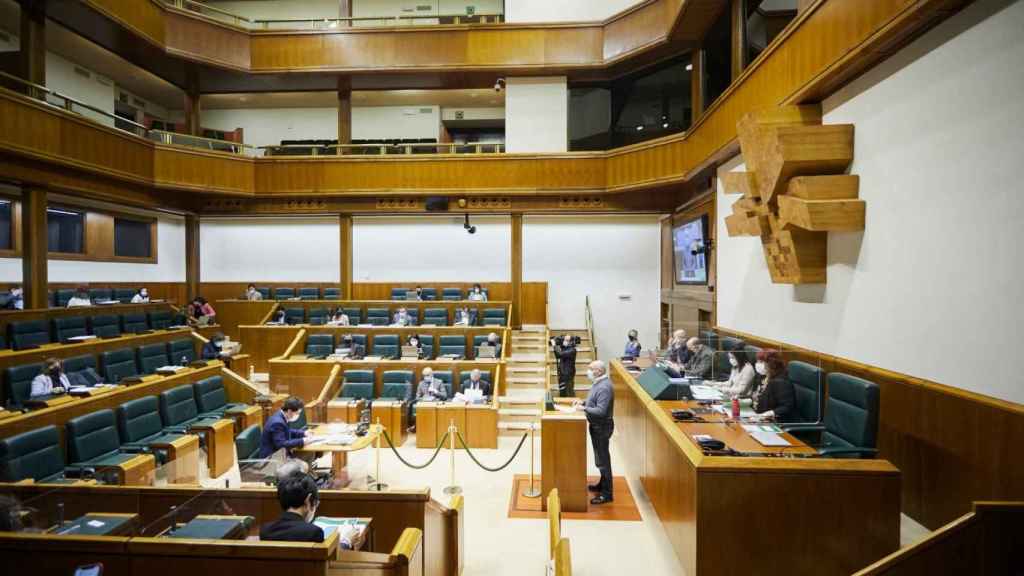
(794, 189)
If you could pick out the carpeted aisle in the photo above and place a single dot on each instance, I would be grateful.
(623, 508)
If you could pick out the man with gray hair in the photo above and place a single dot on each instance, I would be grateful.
(600, 408)
(291, 467)
(701, 359)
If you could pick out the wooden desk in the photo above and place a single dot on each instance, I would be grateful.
(731, 433)
(219, 438)
(110, 524)
(393, 416)
(564, 459)
(709, 503)
(478, 424)
(182, 466)
(339, 452)
(137, 471)
(96, 346)
(218, 527)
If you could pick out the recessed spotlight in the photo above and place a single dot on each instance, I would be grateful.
(689, 67)
(665, 125)
(639, 127)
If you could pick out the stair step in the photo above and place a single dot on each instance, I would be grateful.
(519, 412)
(518, 357)
(534, 328)
(524, 369)
(526, 379)
(512, 401)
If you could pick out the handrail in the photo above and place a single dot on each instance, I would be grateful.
(382, 149)
(165, 137)
(590, 326)
(203, 6)
(38, 92)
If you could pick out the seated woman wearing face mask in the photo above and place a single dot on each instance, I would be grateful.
(632, 345)
(51, 380)
(741, 377)
(277, 434)
(773, 397)
(141, 297)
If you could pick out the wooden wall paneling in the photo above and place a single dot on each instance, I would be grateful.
(32, 37)
(34, 267)
(210, 42)
(192, 268)
(639, 28)
(144, 18)
(534, 303)
(105, 150)
(346, 251)
(517, 271)
(234, 313)
(265, 342)
(195, 170)
(99, 235)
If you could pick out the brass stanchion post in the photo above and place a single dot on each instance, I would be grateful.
(532, 491)
(378, 483)
(452, 488)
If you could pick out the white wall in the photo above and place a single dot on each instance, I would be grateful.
(392, 8)
(421, 248)
(170, 266)
(387, 122)
(493, 113)
(97, 90)
(279, 9)
(269, 249)
(564, 10)
(603, 256)
(931, 288)
(537, 114)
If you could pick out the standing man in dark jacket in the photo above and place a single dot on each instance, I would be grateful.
(565, 355)
(600, 409)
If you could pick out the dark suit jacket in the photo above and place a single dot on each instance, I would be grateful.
(210, 351)
(291, 528)
(777, 395)
(277, 434)
(484, 385)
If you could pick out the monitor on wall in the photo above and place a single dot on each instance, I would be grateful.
(689, 242)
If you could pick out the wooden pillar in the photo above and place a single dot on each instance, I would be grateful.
(33, 248)
(345, 11)
(193, 112)
(192, 278)
(517, 271)
(344, 110)
(32, 58)
(697, 83)
(345, 225)
(739, 37)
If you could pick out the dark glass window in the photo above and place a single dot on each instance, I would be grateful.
(6, 242)
(717, 58)
(65, 230)
(132, 238)
(766, 19)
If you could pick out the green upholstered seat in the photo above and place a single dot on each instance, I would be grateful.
(100, 294)
(77, 364)
(752, 352)
(451, 293)
(358, 376)
(355, 315)
(93, 440)
(135, 322)
(178, 409)
(494, 316)
(851, 417)
(118, 364)
(807, 382)
(212, 399)
(123, 295)
(427, 345)
(28, 333)
(182, 348)
(446, 376)
(69, 327)
(151, 357)
(452, 344)
(317, 316)
(399, 293)
(720, 367)
(386, 345)
(160, 319)
(264, 291)
(332, 294)
(378, 316)
(428, 294)
(61, 297)
(309, 293)
(284, 293)
(435, 317)
(36, 454)
(320, 345)
(105, 325)
(396, 384)
(357, 384)
(294, 315)
(18, 383)
(359, 339)
(414, 316)
(140, 427)
(247, 443)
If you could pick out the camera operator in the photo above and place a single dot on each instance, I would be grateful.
(565, 353)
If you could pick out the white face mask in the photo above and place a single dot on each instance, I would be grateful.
(761, 369)
(292, 418)
(734, 362)
(590, 374)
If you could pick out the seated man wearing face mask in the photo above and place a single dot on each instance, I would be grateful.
(678, 353)
(299, 499)
(50, 381)
(701, 359)
(277, 434)
(632, 345)
(402, 318)
(141, 297)
(430, 389)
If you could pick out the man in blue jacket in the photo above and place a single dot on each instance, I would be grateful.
(278, 434)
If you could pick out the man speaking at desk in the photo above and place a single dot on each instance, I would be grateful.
(600, 407)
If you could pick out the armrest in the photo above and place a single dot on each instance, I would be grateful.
(802, 427)
(834, 451)
(135, 449)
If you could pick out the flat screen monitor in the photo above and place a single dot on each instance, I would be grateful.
(689, 240)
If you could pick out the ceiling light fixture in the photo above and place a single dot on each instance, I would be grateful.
(689, 67)
(639, 127)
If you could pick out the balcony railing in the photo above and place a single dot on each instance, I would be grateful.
(384, 149)
(329, 22)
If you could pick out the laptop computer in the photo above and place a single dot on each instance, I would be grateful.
(410, 352)
(485, 351)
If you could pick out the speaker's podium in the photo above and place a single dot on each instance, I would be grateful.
(564, 459)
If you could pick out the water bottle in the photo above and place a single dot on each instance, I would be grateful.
(735, 408)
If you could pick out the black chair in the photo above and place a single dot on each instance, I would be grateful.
(133, 323)
(181, 352)
(807, 382)
(124, 295)
(141, 429)
(100, 294)
(160, 320)
(28, 334)
(152, 356)
(247, 443)
(118, 364)
(320, 345)
(851, 418)
(105, 325)
(93, 441)
(18, 381)
(294, 315)
(34, 455)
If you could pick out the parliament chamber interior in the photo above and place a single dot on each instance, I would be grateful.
(511, 287)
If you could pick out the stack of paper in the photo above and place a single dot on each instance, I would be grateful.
(702, 392)
(766, 435)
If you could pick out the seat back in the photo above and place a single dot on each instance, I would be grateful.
(294, 315)
(28, 333)
(18, 381)
(317, 316)
(451, 293)
(709, 338)
(385, 345)
(358, 376)
(399, 390)
(396, 377)
(446, 376)
(378, 316)
(435, 317)
(309, 293)
(118, 364)
(138, 419)
(36, 454)
(359, 339)
(210, 394)
(100, 294)
(284, 293)
(135, 322)
(721, 366)
(494, 316)
(454, 340)
(320, 345)
(123, 295)
(105, 325)
(730, 343)
(264, 291)
(78, 363)
(178, 405)
(61, 297)
(429, 294)
(398, 293)
(332, 294)
(358, 384)
(807, 380)
(68, 327)
(752, 352)
(160, 319)
(181, 348)
(851, 414)
(152, 356)
(427, 344)
(247, 443)
(355, 315)
(91, 436)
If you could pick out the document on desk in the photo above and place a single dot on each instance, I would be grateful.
(766, 435)
(348, 527)
(702, 392)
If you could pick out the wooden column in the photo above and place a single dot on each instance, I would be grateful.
(697, 83)
(193, 112)
(34, 247)
(32, 58)
(192, 279)
(517, 271)
(739, 37)
(345, 225)
(345, 11)
(344, 110)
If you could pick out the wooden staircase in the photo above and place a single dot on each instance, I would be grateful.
(526, 379)
(584, 356)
